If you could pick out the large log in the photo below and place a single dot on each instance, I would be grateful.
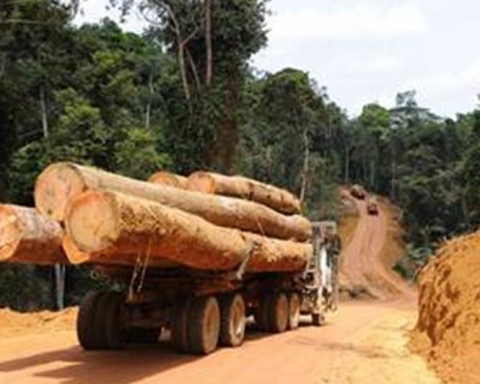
(238, 186)
(113, 226)
(28, 237)
(168, 178)
(76, 256)
(61, 182)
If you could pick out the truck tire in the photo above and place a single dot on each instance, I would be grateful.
(112, 320)
(293, 311)
(318, 319)
(232, 320)
(87, 328)
(107, 319)
(180, 317)
(203, 325)
(278, 313)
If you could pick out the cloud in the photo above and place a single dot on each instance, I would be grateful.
(357, 22)
(92, 11)
(468, 77)
(376, 65)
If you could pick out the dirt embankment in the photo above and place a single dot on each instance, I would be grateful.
(14, 324)
(448, 328)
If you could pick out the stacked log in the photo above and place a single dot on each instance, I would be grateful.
(238, 186)
(117, 221)
(109, 227)
(28, 237)
(76, 256)
(168, 178)
(60, 183)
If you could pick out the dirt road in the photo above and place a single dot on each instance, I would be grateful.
(365, 342)
(364, 259)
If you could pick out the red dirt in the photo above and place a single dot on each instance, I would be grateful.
(448, 328)
(13, 324)
(363, 343)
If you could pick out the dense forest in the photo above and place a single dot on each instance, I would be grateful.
(184, 96)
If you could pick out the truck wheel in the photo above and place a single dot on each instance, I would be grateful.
(232, 320)
(87, 327)
(204, 325)
(293, 311)
(179, 325)
(278, 313)
(318, 319)
(112, 319)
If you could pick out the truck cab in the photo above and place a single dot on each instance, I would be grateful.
(319, 276)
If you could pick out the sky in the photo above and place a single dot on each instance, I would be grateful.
(366, 51)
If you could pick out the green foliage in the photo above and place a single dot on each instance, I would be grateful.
(137, 156)
(203, 115)
(288, 128)
(25, 287)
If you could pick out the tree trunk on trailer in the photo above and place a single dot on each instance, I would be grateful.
(238, 186)
(76, 256)
(132, 226)
(168, 178)
(28, 237)
(61, 182)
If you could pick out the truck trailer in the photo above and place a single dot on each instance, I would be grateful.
(201, 309)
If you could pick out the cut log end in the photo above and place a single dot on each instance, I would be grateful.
(278, 199)
(201, 182)
(10, 232)
(75, 256)
(55, 187)
(96, 224)
(168, 178)
(28, 237)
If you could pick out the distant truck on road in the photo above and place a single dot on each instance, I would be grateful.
(358, 191)
(372, 206)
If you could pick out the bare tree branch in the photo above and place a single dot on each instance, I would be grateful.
(180, 53)
(20, 21)
(306, 162)
(208, 42)
(194, 68)
(3, 66)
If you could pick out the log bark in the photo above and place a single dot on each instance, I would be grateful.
(61, 182)
(107, 224)
(238, 186)
(28, 237)
(168, 178)
(76, 256)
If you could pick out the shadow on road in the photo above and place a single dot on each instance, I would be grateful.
(73, 365)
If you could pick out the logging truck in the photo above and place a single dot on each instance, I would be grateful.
(358, 191)
(372, 206)
(193, 257)
(200, 309)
